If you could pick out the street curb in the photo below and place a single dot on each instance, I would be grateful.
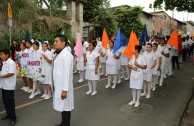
(191, 94)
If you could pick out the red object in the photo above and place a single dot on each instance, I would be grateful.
(133, 41)
(105, 39)
(173, 41)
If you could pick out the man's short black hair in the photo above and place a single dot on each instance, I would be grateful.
(62, 38)
(5, 51)
(28, 41)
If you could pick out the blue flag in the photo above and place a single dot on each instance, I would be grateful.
(44, 39)
(28, 36)
(144, 36)
(121, 40)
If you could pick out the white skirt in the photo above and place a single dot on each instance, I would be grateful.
(124, 61)
(90, 74)
(135, 83)
(111, 69)
(147, 76)
(80, 65)
(119, 64)
(47, 79)
(102, 59)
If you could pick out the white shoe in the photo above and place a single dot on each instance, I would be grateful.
(154, 89)
(30, 91)
(37, 93)
(31, 96)
(127, 78)
(131, 103)
(114, 86)
(113, 82)
(94, 93)
(89, 92)
(26, 89)
(80, 80)
(119, 81)
(137, 104)
(148, 96)
(165, 76)
(75, 72)
(169, 74)
(23, 88)
(107, 86)
(160, 84)
(100, 66)
(47, 97)
(44, 95)
(122, 77)
(143, 94)
(106, 75)
(101, 74)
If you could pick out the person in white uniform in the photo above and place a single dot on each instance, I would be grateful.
(151, 63)
(30, 81)
(47, 59)
(103, 60)
(169, 62)
(92, 70)
(124, 64)
(36, 89)
(156, 69)
(23, 63)
(119, 66)
(8, 85)
(137, 64)
(85, 43)
(111, 66)
(80, 66)
(163, 49)
(62, 80)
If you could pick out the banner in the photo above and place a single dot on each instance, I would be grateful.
(35, 66)
(21, 63)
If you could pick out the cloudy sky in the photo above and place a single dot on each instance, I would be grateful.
(182, 16)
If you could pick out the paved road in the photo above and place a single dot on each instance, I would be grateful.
(109, 107)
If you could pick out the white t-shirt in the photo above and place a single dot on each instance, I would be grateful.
(86, 44)
(150, 58)
(165, 50)
(9, 83)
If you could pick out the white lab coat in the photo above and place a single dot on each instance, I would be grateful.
(63, 81)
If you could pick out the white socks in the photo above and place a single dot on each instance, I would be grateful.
(92, 84)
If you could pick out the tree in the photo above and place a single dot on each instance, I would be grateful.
(93, 8)
(106, 19)
(129, 19)
(179, 5)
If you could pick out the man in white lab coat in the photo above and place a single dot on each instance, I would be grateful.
(62, 79)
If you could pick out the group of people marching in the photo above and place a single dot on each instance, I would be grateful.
(150, 64)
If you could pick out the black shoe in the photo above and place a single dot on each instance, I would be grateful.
(5, 117)
(12, 123)
(58, 125)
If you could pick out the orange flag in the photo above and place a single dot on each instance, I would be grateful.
(130, 49)
(173, 41)
(105, 39)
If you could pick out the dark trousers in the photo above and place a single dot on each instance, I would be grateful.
(184, 54)
(9, 103)
(175, 59)
(66, 117)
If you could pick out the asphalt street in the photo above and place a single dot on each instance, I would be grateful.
(109, 107)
